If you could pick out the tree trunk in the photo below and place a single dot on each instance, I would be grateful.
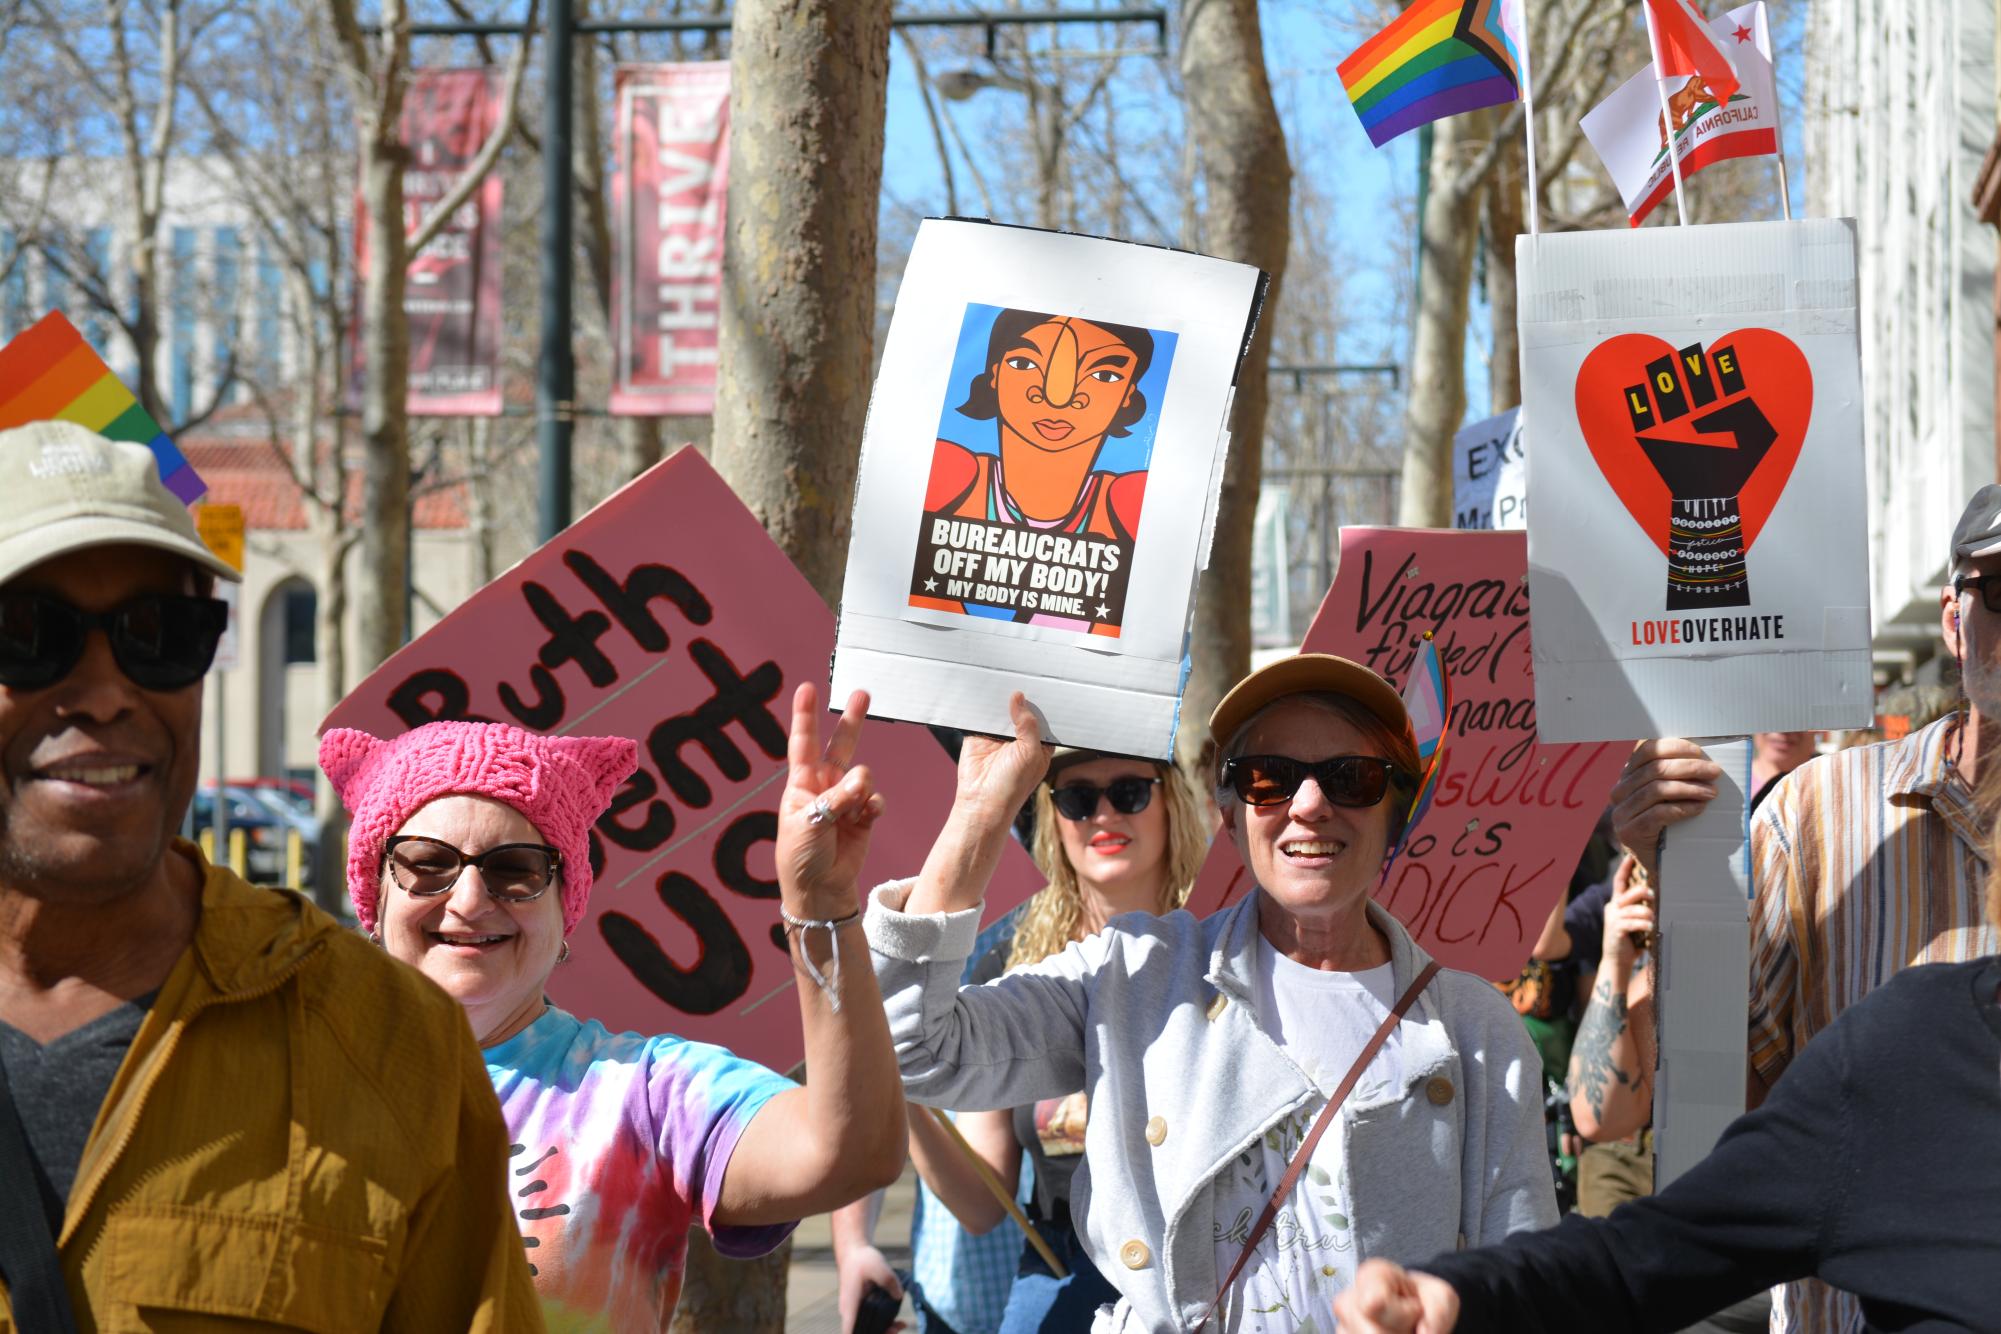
(738, 1296)
(1248, 181)
(1505, 202)
(385, 426)
(330, 857)
(798, 307)
(1437, 398)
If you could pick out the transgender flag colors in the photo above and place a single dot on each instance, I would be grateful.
(1439, 58)
(1427, 698)
(49, 373)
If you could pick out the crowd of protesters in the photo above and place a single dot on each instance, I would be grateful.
(217, 1104)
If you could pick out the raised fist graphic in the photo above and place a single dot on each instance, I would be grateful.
(1705, 393)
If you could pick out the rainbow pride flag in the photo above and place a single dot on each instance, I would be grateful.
(1437, 59)
(1427, 698)
(49, 373)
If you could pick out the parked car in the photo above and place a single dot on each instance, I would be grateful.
(267, 815)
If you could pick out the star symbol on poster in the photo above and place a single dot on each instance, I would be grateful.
(930, 585)
(1742, 34)
(1103, 611)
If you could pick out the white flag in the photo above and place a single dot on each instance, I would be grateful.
(1631, 135)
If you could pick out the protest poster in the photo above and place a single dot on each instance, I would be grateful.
(1510, 815)
(667, 615)
(669, 189)
(52, 374)
(1630, 132)
(1490, 474)
(452, 293)
(1695, 398)
(1038, 391)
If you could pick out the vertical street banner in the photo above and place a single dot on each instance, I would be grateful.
(669, 190)
(50, 373)
(1509, 816)
(1490, 473)
(452, 294)
(1695, 399)
(667, 615)
(1038, 481)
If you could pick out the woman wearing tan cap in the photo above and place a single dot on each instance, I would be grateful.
(1277, 1092)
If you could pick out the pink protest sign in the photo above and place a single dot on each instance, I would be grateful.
(1495, 851)
(667, 615)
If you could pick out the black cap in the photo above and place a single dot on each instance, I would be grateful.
(1979, 530)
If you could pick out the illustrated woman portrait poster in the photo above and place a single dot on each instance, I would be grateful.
(1047, 427)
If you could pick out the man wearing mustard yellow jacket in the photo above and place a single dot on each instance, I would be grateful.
(217, 1101)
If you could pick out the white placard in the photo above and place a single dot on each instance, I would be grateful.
(1701, 567)
(1490, 474)
(1704, 916)
(1038, 482)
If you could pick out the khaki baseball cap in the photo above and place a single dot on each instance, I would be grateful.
(64, 488)
(1302, 674)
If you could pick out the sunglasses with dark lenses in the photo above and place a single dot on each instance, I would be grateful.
(162, 641)
(1345, 780)
(1987, 585)
(512, 872)
(1079, 801)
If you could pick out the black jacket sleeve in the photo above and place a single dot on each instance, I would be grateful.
(1757, 1211)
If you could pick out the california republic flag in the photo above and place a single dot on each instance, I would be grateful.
(1631, 135)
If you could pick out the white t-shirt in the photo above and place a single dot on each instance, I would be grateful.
(1322, 1020)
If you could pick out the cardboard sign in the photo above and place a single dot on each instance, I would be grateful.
(1695, 397)
(1510, 816)
(221, 530)
(667, 615)
(1038, 481)
(669, 191)
(1490, 474)
(52, 374)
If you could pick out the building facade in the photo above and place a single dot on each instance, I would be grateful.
(1900, 111)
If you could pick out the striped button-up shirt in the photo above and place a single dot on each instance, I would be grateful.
(1868, 861)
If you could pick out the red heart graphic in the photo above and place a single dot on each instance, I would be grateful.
(1620, 395)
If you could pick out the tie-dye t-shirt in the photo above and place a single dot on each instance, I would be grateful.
(619, 1143)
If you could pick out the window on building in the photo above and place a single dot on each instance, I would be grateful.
(302, 609)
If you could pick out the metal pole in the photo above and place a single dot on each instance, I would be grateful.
(556, 370)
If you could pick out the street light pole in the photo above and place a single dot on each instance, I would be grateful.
(556, 367)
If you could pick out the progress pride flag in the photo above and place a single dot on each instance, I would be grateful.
(668, 193)
(1495, 850)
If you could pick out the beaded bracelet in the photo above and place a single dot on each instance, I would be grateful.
(830, 988)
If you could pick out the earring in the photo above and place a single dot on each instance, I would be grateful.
(375, 937)
(563, 956)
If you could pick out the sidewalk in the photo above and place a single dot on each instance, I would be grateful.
(812, 1291)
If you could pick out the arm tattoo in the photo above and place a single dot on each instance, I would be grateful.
(1591, 1055)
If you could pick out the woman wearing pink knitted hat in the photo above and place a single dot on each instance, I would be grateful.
(460, 833)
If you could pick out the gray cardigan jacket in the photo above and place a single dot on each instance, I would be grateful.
(1155, 1017)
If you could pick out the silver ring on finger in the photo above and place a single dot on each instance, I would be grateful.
(821, 813)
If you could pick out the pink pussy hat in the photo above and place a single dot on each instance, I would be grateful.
(562, 784)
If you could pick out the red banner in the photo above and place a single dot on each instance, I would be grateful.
(672, 178)
(452, 298)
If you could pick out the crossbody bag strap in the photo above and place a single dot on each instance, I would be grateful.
(36, 1288)
(1304, 1154)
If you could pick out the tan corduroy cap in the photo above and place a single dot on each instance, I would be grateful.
(1307, 673)
(64, 488)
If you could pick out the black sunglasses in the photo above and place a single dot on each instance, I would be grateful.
(1345, 780)
(1987, 585)
(511, 872)
(1079, 801)
(162, 641)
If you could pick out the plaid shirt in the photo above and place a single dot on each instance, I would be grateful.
(965, 1278)
(1868, 861)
